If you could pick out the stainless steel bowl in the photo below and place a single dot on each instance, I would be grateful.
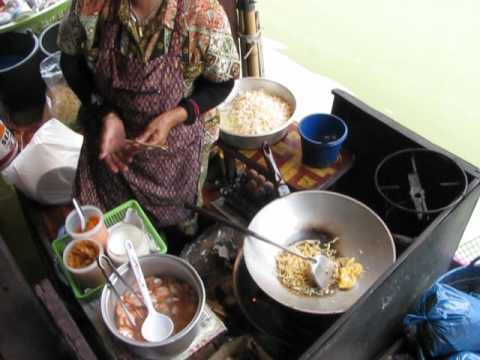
(256, 141)
(306, 215)
(166, 265)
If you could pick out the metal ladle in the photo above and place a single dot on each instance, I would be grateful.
(156, 327)
(322, 268)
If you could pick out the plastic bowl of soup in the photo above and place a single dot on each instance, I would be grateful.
(177, 291)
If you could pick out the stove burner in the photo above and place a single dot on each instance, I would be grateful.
(295, 330)
(433, 182)
(417, 193)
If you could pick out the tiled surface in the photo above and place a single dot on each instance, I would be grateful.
(469, 248)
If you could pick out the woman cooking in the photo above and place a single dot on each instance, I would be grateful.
(150, 71)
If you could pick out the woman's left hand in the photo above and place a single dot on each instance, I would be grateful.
(157, 131)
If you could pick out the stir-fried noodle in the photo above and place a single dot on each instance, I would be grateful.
(295, 273)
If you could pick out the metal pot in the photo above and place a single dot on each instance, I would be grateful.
(167, 265)
(256, 141)
(320, 215)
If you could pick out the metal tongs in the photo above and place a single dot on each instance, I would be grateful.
(106, 259)
(282, 186)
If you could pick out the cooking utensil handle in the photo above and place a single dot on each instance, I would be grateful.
(282, 186)
(130, 318)
(260, 237)
(137, 271)
(243, 230)
(119, 277)
(83, 219)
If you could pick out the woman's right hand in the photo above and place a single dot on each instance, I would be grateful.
(114, 149)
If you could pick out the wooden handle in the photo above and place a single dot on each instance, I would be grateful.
(153, 146)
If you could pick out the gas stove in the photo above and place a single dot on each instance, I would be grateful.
(411, 184)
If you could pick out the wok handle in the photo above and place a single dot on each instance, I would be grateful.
(243, 230)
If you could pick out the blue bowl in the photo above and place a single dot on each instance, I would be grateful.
(322, 138)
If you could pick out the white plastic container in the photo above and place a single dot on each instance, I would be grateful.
(99, 233)
(88, 277)
(116, 242)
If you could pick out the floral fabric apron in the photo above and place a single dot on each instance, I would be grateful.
(140, 91)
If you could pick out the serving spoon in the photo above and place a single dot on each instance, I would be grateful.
(156, 327)
(322, 268)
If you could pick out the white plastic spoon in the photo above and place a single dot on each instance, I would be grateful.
(156, 327)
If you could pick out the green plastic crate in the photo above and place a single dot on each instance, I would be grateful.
(39, 21)
(111, 218)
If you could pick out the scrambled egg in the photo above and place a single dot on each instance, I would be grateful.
(348, 272)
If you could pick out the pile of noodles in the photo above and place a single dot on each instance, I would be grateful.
(255, 112)
(295, 273)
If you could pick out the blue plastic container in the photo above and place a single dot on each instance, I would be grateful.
(322, 138)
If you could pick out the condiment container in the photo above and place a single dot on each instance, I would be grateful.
(8, 146)
(116, 242)
(98, 233)
(89, 276)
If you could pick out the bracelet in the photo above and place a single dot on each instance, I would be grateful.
(193, 110)
(195, 107)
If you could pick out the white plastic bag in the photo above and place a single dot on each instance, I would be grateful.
(45, 169)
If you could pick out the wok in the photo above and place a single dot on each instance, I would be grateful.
(320, 215)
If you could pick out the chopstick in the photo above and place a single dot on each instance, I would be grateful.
(153, 146)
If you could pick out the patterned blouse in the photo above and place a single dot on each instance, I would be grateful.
(208, 46)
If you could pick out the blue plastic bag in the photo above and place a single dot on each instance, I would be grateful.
(465, 356)
(446, 321)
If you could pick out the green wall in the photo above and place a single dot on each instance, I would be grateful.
(415, 60)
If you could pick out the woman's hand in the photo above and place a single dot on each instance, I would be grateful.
(157, 131)
(114, 149)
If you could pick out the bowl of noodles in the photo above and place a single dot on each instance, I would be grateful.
(256, 111)
(313, 223)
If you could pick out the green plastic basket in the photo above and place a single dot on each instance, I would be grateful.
(111, 218)
(39, 21)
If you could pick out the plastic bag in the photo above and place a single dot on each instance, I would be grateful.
(61, 101)
(465, 356)
(45, 169)
(446, 321)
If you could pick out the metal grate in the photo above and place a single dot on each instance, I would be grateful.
(468, 251)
